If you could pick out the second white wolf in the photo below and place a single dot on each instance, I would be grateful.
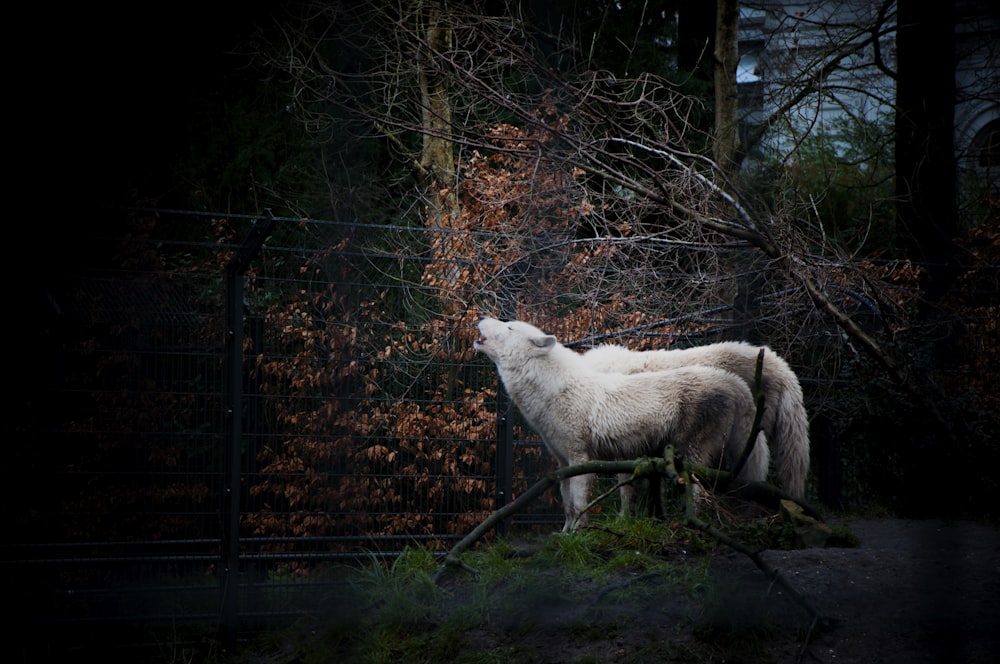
(583, 414)
(784, 420)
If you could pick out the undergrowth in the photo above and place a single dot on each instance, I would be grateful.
(590, 584)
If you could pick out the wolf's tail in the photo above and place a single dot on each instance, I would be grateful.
(790, 438)
(755, 469)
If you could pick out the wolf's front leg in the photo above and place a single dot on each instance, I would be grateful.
(626, 494)
(575, 494)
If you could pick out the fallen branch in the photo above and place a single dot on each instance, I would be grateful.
(692, 519)
(666, 466)
(652, 467)
(537, 489)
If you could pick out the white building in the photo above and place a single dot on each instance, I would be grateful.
(784, 44)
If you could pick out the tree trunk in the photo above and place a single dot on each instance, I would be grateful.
(727, 56)
(696, 38)
(436, 170)
(926, 214)
(437, 162)
(926, 207)
(725, 152)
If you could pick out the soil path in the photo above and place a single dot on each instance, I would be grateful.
(912, 591)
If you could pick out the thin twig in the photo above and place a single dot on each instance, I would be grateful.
(758, 396)
(534, 491)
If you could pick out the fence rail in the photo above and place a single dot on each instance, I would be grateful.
(214, 413)
(179, 468)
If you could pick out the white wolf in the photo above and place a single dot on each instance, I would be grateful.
(583, 414)
(784, 421)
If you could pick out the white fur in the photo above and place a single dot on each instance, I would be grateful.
(583, 414)
(784, 420)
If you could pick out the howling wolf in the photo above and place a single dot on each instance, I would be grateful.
(583, 414)
(784, 420)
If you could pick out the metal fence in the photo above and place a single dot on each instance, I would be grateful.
(213, 415)
(219, 412)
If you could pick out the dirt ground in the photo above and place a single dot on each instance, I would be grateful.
(911, 592)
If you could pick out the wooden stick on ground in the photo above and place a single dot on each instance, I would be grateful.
(668, 466)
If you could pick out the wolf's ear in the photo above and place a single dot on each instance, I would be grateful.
(545, 341)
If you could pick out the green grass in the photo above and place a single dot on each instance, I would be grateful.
(586, 585)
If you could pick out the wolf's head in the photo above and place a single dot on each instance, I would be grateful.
(506, 341)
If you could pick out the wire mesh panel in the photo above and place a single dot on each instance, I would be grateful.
(370, 406)
(117, 454)
(368, 423)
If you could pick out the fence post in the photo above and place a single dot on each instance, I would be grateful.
(505, 454)
(235, 270)
(505, 441)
